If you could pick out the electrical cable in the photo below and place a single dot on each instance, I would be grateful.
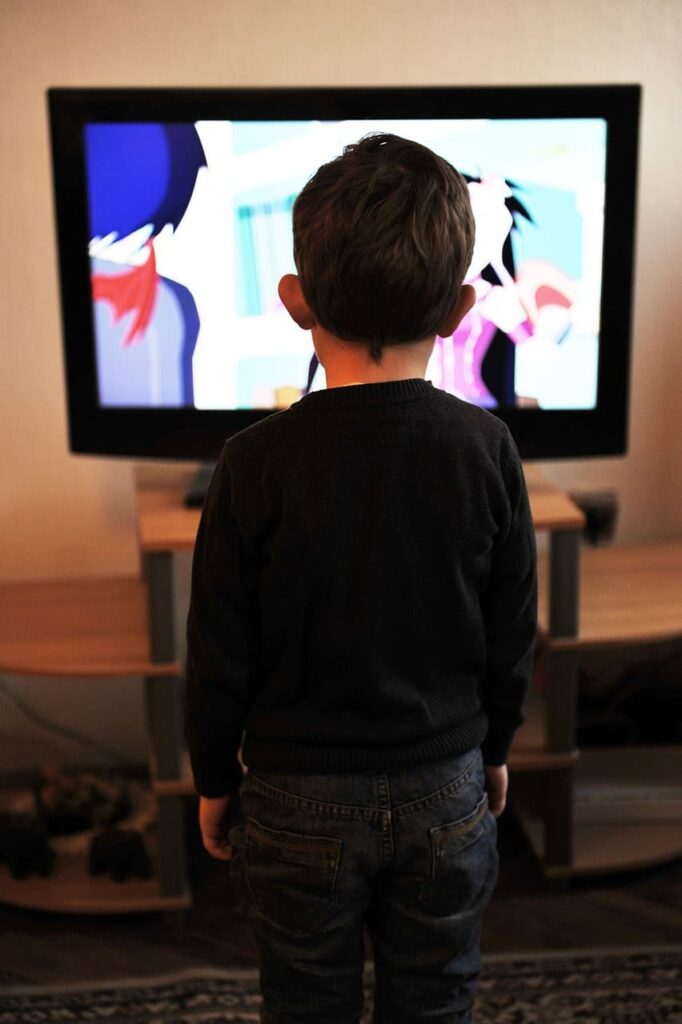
(61, 730)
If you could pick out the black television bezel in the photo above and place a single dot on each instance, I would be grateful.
(191, 434)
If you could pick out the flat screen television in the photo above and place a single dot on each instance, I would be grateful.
(173, 211)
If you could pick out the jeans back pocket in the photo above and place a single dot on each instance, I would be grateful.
(291, 876)
(461, 853)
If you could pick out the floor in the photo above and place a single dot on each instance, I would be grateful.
(638, 908)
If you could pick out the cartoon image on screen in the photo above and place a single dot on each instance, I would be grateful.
(141, 178)
(513, 305)
(190, 232)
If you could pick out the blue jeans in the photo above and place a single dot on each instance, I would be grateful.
(409, 854)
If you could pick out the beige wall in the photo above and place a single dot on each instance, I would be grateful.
(64, 515)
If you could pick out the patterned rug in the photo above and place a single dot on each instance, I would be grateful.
(589, 986)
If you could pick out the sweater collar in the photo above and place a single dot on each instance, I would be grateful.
(359, 394)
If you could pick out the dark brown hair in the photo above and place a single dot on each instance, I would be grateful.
(383, 237)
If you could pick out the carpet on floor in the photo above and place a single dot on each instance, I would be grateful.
(630, 985)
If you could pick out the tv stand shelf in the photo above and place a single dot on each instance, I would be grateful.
(629, 594)
(624, 813)
(97, 628)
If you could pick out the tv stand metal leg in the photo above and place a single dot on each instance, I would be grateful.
(163, 699)
(562, 693)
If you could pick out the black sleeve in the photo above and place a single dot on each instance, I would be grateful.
(222, 634)
(510, 616)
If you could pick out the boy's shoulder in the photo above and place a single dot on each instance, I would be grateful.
(256, 436)
(457, 406)
(475, 420)
(467, 420)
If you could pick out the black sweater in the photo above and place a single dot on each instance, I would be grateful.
(363, 591)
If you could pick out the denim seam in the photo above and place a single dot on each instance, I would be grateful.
(439, 794)
(298, 841)
(310, 806)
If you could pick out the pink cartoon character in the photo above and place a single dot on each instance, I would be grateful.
(510, 307)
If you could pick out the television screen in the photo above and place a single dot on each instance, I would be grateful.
(184, 228)
(190, 232)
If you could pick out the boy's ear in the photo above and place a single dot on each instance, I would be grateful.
(465, 301)
(289, 290)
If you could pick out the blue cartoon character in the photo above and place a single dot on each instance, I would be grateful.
(141, 178)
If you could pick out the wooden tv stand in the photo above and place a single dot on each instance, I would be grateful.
(625, 808)
(625, 595)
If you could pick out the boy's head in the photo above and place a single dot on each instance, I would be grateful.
(383, 237)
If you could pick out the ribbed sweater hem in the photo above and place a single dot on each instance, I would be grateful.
(307, 759)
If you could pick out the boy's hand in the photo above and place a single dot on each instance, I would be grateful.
(213, 813)
(497, 780)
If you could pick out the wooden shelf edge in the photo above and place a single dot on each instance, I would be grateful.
(536, 760)
(596, 643)
(100, 670)
(70, 888)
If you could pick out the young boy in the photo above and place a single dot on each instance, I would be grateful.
(363, 606)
